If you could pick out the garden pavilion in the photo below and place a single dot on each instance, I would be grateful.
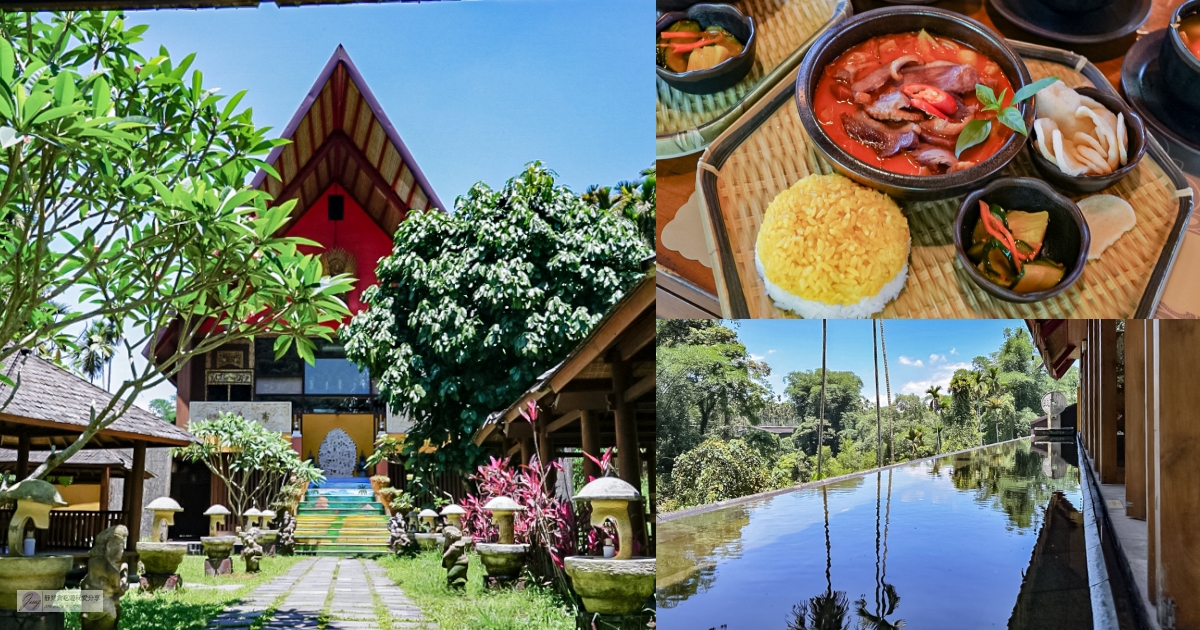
(49, 410)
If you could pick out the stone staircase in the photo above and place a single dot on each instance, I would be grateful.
(341, 518)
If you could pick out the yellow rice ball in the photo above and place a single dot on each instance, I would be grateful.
(830, 240)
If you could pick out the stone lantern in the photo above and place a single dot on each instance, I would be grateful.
(163, 509)
(502, 561)
(453, 514)
(618, 585)
(252, 515)
(161, 558)
(34, 498)
(428, 539)
(269, 536)
(217, 549)
(216, 515)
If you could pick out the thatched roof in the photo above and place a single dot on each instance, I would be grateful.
(54, 406)
(96, 458)
(340, 135)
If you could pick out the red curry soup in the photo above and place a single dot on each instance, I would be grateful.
(899, 102)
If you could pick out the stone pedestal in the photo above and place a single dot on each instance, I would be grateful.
(35, 574)
(161, 561)
(217, 550)
(609, 586)
(151, 582)
(268, 538)
(502, 563)
(12, 620)
(429, 542)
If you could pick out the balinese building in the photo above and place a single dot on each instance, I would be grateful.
(354, 181)
(1140, 438)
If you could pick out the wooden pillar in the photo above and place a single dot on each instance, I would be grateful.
(105, 477)
(1107, 410)
(1178, 502)
(133, 495)
(546, 453)
(23, 445)
(628, 464)
(590, 435)
(183, 394)
(1152, 461)
(526, 451)
(1135, 418)
(651, 497)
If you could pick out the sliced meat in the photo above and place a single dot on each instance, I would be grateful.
(950, 77)
(871, 81)
(883, 139)
(900, 62)
(937, 141)
(937, 158)
(947, 127)
(890, 106)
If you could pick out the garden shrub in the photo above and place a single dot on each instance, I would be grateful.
(716, 471)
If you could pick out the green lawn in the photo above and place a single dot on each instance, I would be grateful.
(190, 608)
(475, 608)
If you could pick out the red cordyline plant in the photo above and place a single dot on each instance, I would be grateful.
(547, 524)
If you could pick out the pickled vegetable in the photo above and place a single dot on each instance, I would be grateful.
(1006, 248)
(685, 46)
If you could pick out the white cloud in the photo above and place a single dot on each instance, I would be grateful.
(757, 357)
(953, 350)
(770, 352)
(933, 358)
(939, 375)
(912, 362)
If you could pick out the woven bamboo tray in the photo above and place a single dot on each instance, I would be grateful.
(767, 151)
(686, 123)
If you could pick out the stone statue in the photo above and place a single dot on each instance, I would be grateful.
(252, 552)
(107, 574)
(399, 542)
(454, 557)
(287, 535)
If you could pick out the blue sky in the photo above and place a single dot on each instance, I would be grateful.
(920, 352)
(476, 88)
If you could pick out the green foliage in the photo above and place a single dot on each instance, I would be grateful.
(634, 200)
(387, 449)
(472, 305)
(475, 607)
(703, 374)
(717, 470)
(841, 396)
(164, 409)
(767, 444)
(255, 462)
(790, 469)
(123, 180)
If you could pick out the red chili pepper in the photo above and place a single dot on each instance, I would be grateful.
(682, 48)
(993, 226)
(927, 108)
(679, 34)
(940, 99)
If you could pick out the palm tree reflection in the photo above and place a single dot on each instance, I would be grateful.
(829, 610)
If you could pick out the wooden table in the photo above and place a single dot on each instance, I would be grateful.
(693, 290)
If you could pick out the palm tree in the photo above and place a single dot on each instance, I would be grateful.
(935, 405)
(967, 385)
(994, 405)
(916, 439)
(97, 345)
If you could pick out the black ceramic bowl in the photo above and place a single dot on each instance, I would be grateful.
(1067, 237)
(1180, 69)
(902, 20)
(1074, 6)
(725, 74)
(675, 5)
(1095, 183)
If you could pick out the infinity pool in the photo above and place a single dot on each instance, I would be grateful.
(989, 538)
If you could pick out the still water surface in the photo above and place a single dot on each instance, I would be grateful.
(934, 544)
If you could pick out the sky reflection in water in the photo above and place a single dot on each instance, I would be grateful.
(951, 537)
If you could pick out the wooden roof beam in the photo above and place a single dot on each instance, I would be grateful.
(640, 388)
(636, 337)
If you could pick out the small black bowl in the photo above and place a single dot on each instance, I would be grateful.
(892, 20)
(1179, 67)
(1135, 130)
(1067, 236)
(725, 74)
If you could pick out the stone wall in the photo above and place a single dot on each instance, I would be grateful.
(276, 416)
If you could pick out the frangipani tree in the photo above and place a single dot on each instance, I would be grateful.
(255, 463)
(123, 188)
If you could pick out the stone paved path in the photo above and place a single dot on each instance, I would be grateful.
(347, 592)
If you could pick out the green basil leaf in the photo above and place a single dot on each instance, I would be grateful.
(1031, 89)
(985, 96)
(1011, 117)
(974, 133)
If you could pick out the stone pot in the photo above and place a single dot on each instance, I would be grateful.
(217, 550)
(609, 586)
(502, 562)
(161, 564)
(430, 541)
(36, 573)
